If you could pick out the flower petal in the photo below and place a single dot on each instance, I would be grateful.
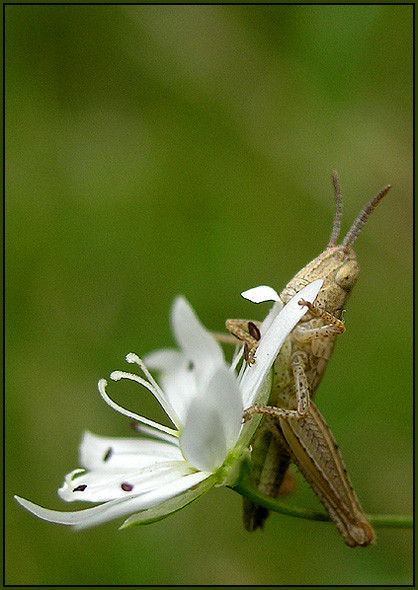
(202, 440)
(164, 359)
(116, 508)
(102, 486)
(177, 378)
(248, 429)
(224, 395)
(271, 316)
(198, 345)
(272, 341)
(213, 422)
(107, 453)
(260, 294)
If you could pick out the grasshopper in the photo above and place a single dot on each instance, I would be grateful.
(292, 428)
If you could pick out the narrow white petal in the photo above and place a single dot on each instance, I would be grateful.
(70, 518)
(237, 356)
(179, 384)
(248, 429)
(260, 294)
(273, 340)
(115, 508)
(164, 359)
(271, 316)
(107, 453)
(202, 440)
(197, 343)
(102, 486)
(213, 422)
(224, 396)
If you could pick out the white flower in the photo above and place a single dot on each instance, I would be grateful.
(153, 477)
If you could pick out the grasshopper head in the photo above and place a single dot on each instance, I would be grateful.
(338, 268)
(343, 268)
(346, 275)
(337, 265)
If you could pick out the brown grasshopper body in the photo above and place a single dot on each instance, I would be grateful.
(292, 428)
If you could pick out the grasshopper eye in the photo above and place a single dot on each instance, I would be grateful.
(347, 275)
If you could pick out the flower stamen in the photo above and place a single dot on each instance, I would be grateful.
(155, 425)
(131, 357)
(151, 385)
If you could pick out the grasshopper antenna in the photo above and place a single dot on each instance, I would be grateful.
(363, 217)
(338, 210)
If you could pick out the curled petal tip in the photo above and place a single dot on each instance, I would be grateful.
(260, 294)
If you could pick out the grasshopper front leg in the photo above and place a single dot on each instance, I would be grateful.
(248, 332)
(333, 327)
(299, 360)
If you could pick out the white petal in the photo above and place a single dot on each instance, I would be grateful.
(202, 440)
(102, 486)
(272, 341)
(271, 316)
(224, 395)
(198, 345)
(184, 375)
(260, 294)
(115, 508)
(99, 452)
(178, 379)
(153, 498)
(164, 359)
(249, 428)
(213, 422)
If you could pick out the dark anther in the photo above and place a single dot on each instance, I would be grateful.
(80, 488)
(108, 454)
(190, 366)
(127, 487)
(254, 331)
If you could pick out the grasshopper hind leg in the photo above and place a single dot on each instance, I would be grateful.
(271, 460)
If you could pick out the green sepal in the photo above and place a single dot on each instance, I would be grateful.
(169, 507)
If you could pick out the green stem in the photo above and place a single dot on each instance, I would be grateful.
(378, 520)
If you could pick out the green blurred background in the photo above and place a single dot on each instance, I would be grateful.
(157, 150)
